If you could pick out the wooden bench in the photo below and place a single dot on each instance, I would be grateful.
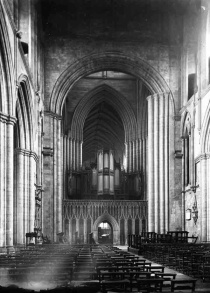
(111, 275)
(167, 278)
(150, 284)
(114, 284)
(136, 275)
(183, 284)
(154, 269)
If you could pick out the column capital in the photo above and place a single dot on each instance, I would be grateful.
(52, 115)
(150, 97)
(158, 95)
(205, 156)
(7, 118)
(24, 152)
(34, 156)
(28, 153)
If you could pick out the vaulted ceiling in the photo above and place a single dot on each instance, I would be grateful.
(103, 129)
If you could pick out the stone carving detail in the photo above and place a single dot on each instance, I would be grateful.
(93, 209)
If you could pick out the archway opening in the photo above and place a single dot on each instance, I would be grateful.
(100, 113)
(105, 233)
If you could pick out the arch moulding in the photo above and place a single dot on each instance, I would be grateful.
(111, 220)
(116, 61)
(115, 99)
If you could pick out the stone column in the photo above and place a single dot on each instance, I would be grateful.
(192, 167)
(70, 231)
(55, 179)
(2, 183)
(9, 182)
(161, 164)
(77, 154)
(65, 167)
(73, 155)
(32, 168)
(67, 153)
(140, 155)
(61, 172)
(59, 180)
(203, 198)
(144, 166)
(137, 155)
(49, 178)
(126, 231)
(150, 190)
(183, 184)
(80, 159)
(156, 162)
(207, 204)
(126, 157)
(26, 194)
(166, 161)
(70, 154)
(186, 160)
(19, 200)
(189, 158)
(130, 161)
(134, 155)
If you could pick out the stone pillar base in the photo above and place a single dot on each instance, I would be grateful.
(18, 247)
(10, 249)
(3, 250)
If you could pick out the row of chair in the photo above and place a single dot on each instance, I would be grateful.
(136, 273)
(190, 259)
(107, 266)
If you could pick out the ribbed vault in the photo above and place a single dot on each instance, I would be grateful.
(103, 129)
(111, 97)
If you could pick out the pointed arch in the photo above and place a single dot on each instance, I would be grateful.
(106, 217)
(185, 124)
(115, 99)
(116, 61)
(24, 114)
